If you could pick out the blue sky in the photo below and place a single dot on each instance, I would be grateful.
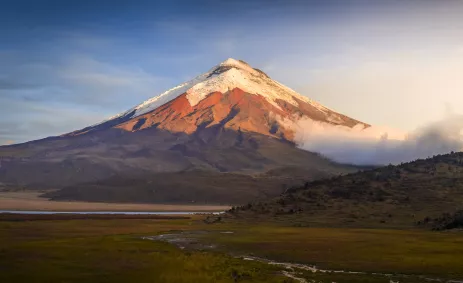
(67, 64)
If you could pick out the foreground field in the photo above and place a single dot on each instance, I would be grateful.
(114, 250)
(419, 252)
(30, 200)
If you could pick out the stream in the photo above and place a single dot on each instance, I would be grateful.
(190, 240)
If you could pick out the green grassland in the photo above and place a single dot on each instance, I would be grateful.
(112, 250)
(438, 254)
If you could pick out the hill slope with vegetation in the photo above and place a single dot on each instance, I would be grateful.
(398, 196)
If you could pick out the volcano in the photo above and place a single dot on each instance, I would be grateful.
(233, 95)
(216, 138)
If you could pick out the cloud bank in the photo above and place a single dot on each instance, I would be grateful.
(377, 145)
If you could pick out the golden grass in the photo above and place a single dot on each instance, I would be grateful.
(111, 250)
(415, 251)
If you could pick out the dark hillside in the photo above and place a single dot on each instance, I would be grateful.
(392, 195)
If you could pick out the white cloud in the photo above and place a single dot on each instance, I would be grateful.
(379, 145)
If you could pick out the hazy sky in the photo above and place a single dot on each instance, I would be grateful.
(67, 64)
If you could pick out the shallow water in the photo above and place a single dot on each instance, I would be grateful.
(192, 240)
(108, 212)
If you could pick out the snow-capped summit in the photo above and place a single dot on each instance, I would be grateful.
(232, 87)
(233, 63)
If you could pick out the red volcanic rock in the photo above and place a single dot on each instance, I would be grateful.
(232, 95)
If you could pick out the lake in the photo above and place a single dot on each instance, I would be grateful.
(109, 212)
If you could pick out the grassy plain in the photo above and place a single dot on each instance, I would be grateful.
(112, 250)
(438, 254)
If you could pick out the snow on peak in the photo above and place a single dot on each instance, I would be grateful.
(234, 62)
(238, 64)
(227, 75)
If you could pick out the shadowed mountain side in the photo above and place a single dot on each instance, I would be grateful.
(68, 161)
(187, 187)
(62, 161)
(389, 196)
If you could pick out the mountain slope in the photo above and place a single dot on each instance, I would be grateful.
(231, 94)
(225, 120)
(389, 196)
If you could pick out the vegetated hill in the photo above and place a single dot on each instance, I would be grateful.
(227, 120)
(445, 221)
(389, 196)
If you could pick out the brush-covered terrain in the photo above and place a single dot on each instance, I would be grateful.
(444, 222)
(389, 196)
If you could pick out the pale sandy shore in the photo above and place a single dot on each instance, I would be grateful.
(32, 202)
